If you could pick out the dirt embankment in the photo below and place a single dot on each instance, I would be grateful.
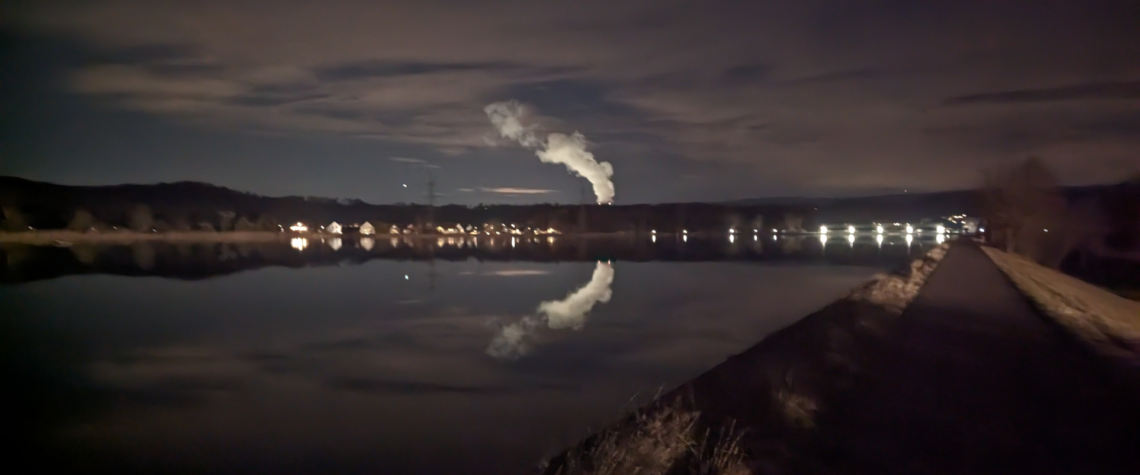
(944, 368)
(1107, 322)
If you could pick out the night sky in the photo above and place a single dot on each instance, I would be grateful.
(688, 100)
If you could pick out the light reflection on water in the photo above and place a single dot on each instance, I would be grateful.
(399, 365)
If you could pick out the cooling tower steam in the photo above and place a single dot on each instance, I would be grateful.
(569, 150)
(514, 340)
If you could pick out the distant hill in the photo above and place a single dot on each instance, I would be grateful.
(194, 205)
(899, 207)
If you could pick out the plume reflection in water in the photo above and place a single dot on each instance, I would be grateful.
(515, 340)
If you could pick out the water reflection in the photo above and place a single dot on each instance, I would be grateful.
(514, 340)
(21, 263)
(396, 375)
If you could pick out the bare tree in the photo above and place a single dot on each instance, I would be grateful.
(181, 222)
(140, 219)
(1121, 205)
(244, 224)
(266, 222)
(13, 219)
(793, 222)
(225, 220)
(82, 221)
(758, 222)
(1022, 204)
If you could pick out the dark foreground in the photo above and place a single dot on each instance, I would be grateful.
(970, 378)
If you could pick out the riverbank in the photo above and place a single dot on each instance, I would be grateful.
(946, 367)
(57, 238)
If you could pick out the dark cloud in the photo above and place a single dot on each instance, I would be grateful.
(414, 387)
(1099, 90)
(379, 68)
(833, 77)
(761, 98)
(748, 72)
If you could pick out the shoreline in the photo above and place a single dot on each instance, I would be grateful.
(63, 237)
(56, 238)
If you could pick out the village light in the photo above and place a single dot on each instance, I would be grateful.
(850, 229)
(879, 229)
(940, 229)
(823, 229)
(909, 229)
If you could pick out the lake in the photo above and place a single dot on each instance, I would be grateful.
(385, 355)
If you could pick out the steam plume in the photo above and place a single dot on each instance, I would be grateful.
(514, 340)
(569, 150)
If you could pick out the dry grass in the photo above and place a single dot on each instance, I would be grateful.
(657, 442)
(895, 291)
(798, 409)
(1109, 322)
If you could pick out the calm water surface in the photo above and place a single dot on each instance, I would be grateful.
(381, 360)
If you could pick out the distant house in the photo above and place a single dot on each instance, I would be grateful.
(333, 228)
(367, 229)
(394, 229)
